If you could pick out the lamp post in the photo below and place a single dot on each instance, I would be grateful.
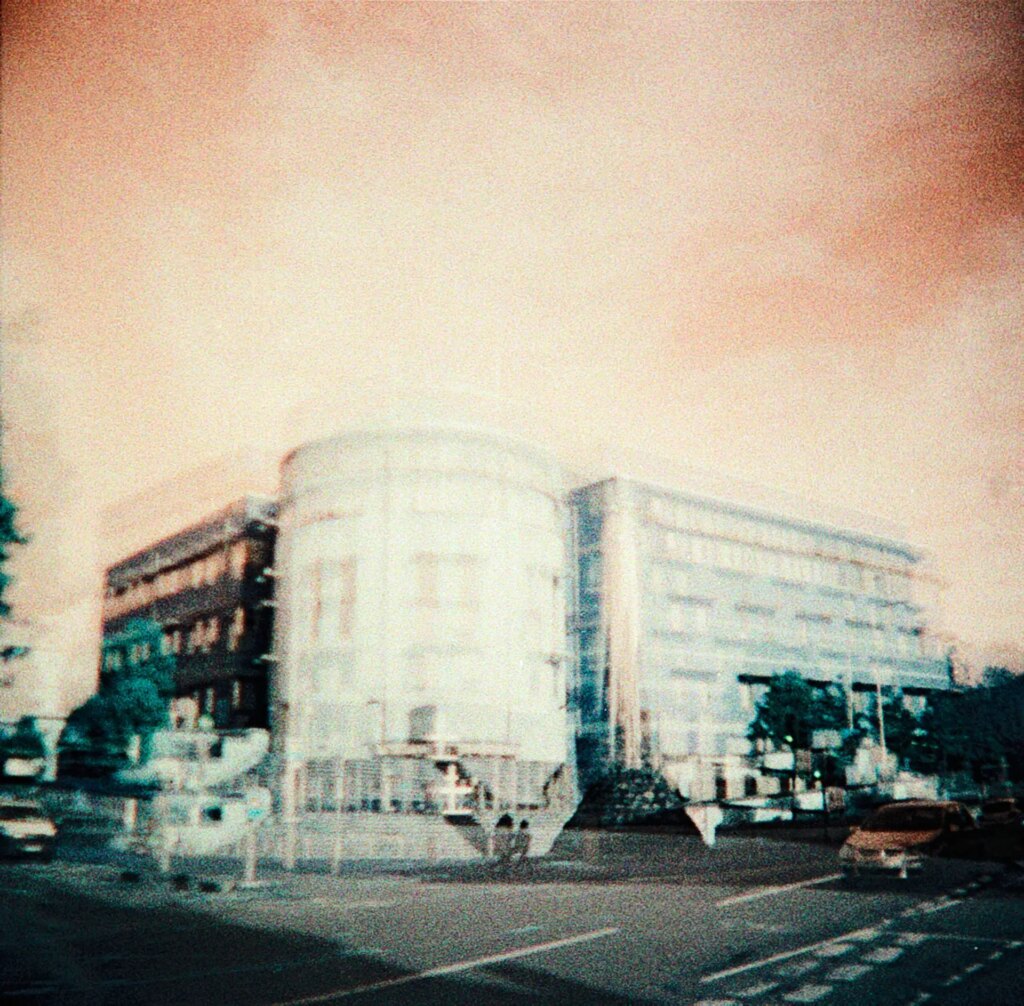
(792, 781)
(385, 796)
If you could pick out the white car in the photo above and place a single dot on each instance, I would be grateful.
(25, 830)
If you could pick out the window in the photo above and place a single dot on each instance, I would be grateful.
(447, 589)
(426, 580)
(238, 558)
(590, 573)
(236, 629)
(347, 598)
(688, 614)
(313, 587)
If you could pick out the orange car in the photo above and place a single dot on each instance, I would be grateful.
(899, 837)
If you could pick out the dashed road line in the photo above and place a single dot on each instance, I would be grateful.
(798, 969)
(451, 969)
(785, 955)
(768, 892)
(808, 993)
(752, 991)
(849, 972)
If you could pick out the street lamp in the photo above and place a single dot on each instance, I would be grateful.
(792, 781)
(384, 795)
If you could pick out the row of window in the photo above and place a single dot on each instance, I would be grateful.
(482, 498)
(201, 636)
(754, 560)
(695, 517)
(446, 594)
(200, 572)
(115, 658)
(327, 599)
(695, 616)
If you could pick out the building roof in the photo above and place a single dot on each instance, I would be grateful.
(225, 525)
(766, 515)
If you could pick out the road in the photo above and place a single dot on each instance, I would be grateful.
(610, 919)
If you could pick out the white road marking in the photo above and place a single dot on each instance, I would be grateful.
(883, 955)
(751, 991)
(920, 937)
(941, 907)
(808, 993)
(849, 972)
(835, 950)
(870, 932)
(767, 892)
(855, 934)
(451, 969)
(911, 939)
(797, 968)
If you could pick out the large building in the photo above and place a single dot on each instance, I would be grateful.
(688, 605)
(420, 606)
(429, 604)
(209, 588)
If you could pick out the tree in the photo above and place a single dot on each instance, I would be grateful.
(9, 535)
(24, 743)
(792, 709)
(902, 728)
(136, 687)
(977, 730)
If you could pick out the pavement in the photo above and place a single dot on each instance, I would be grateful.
(608, 918)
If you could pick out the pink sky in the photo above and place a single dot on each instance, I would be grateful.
(782, 242)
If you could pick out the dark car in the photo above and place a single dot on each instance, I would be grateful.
(1004, 810)
(25, 830)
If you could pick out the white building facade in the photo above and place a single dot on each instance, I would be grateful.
(420, 591)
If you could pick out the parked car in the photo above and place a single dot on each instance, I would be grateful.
(25, 830)
(900, 837)
(1004, 810)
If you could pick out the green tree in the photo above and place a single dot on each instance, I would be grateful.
(792, 709)
(9, 535)
(26, 741)
(133, 700)
(903, 730)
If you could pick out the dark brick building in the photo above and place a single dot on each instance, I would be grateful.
(209, 587)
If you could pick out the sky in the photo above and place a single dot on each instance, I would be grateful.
(779, 242)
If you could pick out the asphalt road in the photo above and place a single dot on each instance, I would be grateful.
(610, 919)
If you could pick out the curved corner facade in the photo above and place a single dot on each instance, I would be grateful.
(420, 596)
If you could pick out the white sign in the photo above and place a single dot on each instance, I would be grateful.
(823, 740)
(779, 761)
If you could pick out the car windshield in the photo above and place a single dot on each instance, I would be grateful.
(13, 813)
(998, 806)
(905, 819)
